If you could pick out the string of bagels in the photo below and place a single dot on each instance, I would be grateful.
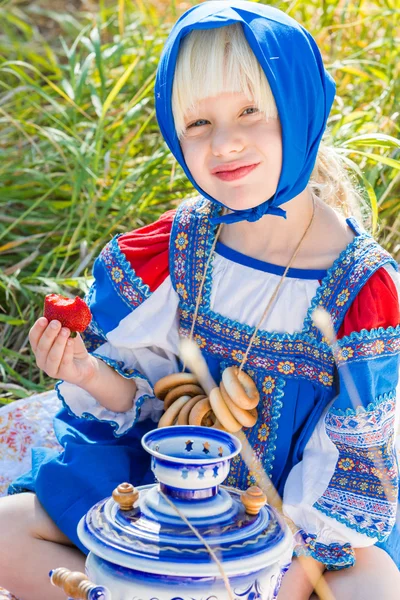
(194, 398)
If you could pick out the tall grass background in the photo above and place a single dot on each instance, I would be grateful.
(81, 156)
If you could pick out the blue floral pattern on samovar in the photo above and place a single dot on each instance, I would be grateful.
(173, 540)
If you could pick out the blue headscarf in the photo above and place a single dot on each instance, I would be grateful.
(302, 88)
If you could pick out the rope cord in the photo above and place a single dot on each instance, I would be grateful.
(271, 300)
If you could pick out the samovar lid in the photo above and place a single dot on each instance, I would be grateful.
(158, 533)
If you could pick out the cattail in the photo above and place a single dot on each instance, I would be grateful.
(194, 359)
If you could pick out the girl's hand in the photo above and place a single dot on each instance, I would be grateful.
(60, 356)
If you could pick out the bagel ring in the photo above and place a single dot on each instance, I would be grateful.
(183, 417)
(208, 420)
(217, 425)
(189, 389)
(241, 388)
(247, 418)
(172, 412)
(169, 382)
(199, 411)
(222, 412)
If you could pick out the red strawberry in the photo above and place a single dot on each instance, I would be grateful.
(72, 313)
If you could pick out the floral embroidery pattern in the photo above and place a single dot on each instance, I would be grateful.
(269, 385)
(180, 288)
(91, 340)
(263, 432)
(224, 341)
(129, 286)
(345, 353)
(287, 368)
(361, 494)
(181, 241)
(25, 424)
(117, 274)
(343, 297)
(200, 341)
(261, 437)
(311, 357)
(380, 342)
(335, 556)
(325, 378)
(237, 355)
(274, 359)
(349, 273)
(346, 464)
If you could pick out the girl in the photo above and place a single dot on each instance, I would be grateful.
(242, 101)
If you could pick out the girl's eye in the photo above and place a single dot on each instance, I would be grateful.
(201, 122)
(195, 124)
(254, 108)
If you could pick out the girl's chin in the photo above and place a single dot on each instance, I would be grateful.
(241, 205)
(239, 201)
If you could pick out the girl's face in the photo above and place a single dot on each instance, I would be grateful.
(233, 153)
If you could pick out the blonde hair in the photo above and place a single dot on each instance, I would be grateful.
(213, 61)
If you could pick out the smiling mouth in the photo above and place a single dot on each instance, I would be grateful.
(236, 173)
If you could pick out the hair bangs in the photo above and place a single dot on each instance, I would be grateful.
(214, 61)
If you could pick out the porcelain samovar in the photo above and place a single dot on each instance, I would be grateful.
(186, 537)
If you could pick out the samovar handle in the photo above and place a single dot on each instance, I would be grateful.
(77, 586)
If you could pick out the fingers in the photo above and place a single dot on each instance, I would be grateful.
(79, 347)
(46, 341)
(36, 332)
(51, 344)
(56, 354)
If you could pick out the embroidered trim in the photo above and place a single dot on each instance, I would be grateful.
(363, 410)
(350, 271)
(363, 489)
(129, 287)
(93, 336)
(334, 556)
(127, 374)
(91, 340)
(290, 355)
(262, 436)
(378, 342)
(310, 355)
(302, 355)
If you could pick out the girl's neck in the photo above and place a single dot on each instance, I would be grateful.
(273, 239)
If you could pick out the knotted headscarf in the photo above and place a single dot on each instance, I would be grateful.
(303, 90)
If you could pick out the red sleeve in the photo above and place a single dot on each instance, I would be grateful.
(146, 250)
(376, 305)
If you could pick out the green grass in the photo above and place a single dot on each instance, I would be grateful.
(81, 156)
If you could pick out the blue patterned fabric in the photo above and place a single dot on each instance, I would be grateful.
(303, 90)
(363, 490)
(296, 375)
(116, 284)
(334, 556)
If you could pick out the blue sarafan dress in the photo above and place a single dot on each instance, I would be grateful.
(329, 449)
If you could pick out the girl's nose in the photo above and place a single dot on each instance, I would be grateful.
(226, 140)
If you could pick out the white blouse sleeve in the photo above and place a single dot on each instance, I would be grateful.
(143, 347)
(343, 493)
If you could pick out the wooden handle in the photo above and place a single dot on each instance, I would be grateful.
(125, 495)
(76, 585)
(253, 500)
